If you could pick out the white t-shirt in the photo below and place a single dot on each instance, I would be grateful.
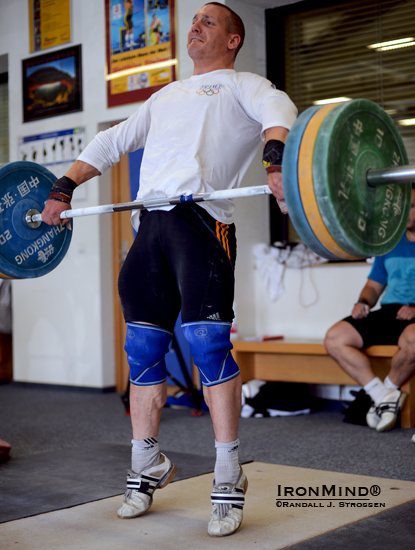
(199, 135)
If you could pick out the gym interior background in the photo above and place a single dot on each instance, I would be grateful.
(64, 323)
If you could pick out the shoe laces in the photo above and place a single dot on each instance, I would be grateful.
(222, 510)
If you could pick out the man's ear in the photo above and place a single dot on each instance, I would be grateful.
(234, 41)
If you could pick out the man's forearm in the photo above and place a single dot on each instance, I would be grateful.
(81, 171)
(368, 296)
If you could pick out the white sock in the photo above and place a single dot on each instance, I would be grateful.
(144, 453)
(389, 384)
(227, 462)
(376, 389)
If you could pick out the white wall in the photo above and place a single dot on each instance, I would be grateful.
(63, 323)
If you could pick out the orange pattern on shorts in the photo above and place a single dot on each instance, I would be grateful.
(222, 234)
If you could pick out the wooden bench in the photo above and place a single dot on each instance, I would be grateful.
(308, 361)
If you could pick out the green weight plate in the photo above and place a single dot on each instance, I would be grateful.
(354, 137)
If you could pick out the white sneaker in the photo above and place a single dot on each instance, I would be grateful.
(372, 417)
(389, 408)
(227, 504)
(140, 487)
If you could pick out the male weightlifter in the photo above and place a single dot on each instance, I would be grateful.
(200, 135)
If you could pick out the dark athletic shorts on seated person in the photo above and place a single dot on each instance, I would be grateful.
(181, 259)
(380, 326)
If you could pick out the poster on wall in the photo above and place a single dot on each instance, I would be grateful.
(57, 151)
(52, 84)
(49, 23)
(141, 52)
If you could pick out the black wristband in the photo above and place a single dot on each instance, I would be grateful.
(62, 190)
(272, 155)
(362, 301)
(65, 183)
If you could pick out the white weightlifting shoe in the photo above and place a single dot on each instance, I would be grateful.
(227, 504)
(389, 408)
(372, 417)
(140, 487)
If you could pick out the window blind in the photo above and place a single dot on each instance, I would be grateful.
(327, 55)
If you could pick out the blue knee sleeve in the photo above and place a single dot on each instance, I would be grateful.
(211, 347)
(146, 348)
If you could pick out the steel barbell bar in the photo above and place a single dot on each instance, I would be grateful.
(394, 175)
(34, 219)
(374, 177)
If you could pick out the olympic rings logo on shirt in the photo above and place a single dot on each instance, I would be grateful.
(208, 91)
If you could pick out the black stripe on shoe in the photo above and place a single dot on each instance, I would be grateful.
(227, 499)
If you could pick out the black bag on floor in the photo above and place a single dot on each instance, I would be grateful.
(288, 397)
(357, 410)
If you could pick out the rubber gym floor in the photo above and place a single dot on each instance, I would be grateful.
(315, 482)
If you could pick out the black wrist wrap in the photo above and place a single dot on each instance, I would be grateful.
(272, 155)
(62, 190)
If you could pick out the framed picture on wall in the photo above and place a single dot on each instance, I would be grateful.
(49, 24)
(141, 48)
(52, 84)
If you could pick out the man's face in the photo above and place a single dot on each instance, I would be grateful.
(208, 37)
(411, 221)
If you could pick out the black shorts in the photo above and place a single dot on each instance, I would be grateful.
(128, 21)
(182, 259)
(380, 326)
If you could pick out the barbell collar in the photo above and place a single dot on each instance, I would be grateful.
(394, 175)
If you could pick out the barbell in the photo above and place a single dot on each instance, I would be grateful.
(345, 177)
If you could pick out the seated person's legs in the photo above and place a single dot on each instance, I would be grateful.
(402, 369)
(343, 342)
(403, 362)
